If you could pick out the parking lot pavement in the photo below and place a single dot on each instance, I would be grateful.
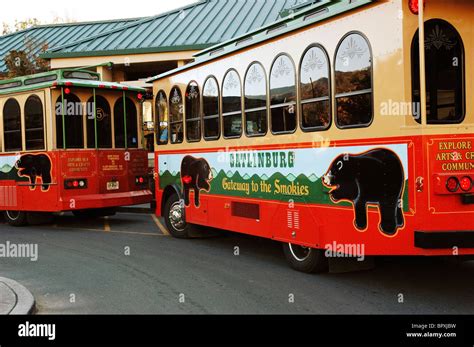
(127, 264)
(122, 223)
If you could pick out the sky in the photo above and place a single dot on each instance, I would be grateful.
(86, 10)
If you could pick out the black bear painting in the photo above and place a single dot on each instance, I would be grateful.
(196, 174)
(375, 177)
(33, 167)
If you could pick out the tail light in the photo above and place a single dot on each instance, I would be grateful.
(452, 184)
(466, 184)
(75, 184)
(414, 6)
(140, 180)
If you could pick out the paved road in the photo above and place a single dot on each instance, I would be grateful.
(85, 261)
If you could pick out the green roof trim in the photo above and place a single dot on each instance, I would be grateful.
(193, 27)
(19, 85)
(321, 10)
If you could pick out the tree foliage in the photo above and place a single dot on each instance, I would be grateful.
(27, 61)
(20, 25)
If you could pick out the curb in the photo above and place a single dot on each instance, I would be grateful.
(25, 302)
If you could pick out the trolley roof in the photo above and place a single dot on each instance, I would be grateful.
(298, 19)
(62, 77)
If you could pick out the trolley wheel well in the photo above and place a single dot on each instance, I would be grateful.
(168, 192)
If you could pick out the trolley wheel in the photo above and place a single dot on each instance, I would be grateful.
(16, 218)
(304, 259)
(175, 218)
(94, 213)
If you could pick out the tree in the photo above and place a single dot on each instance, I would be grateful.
(27, 61)
(20, 25)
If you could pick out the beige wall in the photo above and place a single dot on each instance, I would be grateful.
(58, 63)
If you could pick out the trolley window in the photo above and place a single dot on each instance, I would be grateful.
(255, 91)
(12, 126)
(210, 99)
(283, 95)
(125, 123)
(176, 116)
(315, 89)
(232, 105)
(69, 122)
(193, 113)
(444, 55)
(99, 123)
(354, 82)
(161, 108)
(34, 124)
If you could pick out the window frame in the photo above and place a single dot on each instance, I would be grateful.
(361, 92)
(286, 104)
(119, 102)
(463, 51)
(94, 123)
(229, 114)
(44, 122)
(219, 111)
(198, 119)
(62, 97)
(316, 100)
(158, 122)
(170, 123)
(22, 138)
(267, 103)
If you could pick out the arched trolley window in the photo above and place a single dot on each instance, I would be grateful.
(283, 95)
(12, 126)
(126, 123)
(193, 112)
(315, 89)
(210, 100)
(161, 111)
(255, 91)
(445, 85)
(34, 124)
(176, 116)
(232, 105)
(353, 64)
(99, 123)
(69, 121)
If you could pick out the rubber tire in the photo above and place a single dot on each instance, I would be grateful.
(94, 213)
(317, 262)
(179, 234)
(21, 221)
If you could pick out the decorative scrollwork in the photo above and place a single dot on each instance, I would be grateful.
(192, 92)
(352, 50)
(312, 61)
(254, 75)
(438, 39)
(211, 87)
(230, 81)
(176, 98)
(281, 69)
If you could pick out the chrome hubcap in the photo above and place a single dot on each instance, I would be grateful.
(300, 253)
(176, 216)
